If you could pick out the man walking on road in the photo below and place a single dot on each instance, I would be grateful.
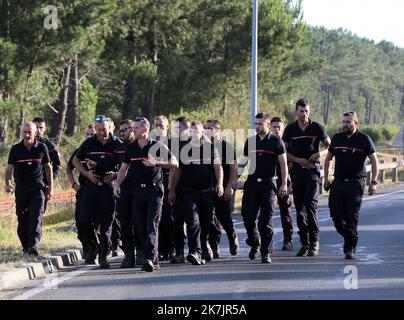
(285, 203)
(302, 140)
(147, 157)
(28, 160)
(263, 151)
(350, 149)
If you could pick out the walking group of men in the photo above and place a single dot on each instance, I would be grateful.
(149, 191)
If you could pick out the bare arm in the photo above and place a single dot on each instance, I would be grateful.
(49, 176)
(8, 175)
(375, 172)
(327, 162)
(175, 178)
(89, 174)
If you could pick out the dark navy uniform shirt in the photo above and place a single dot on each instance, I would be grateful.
(350, 154)
(28, 164)
(304, 143)
(227, 156)
(54, 157)
(139, 173)
(106, 156)
(197, 169)
(263, 155)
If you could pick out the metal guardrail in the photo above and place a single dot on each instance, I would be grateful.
(384, 166)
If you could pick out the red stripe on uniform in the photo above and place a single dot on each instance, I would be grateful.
(304, 137)
(137, 159)
(117, 151)
(265, 151)
(29, 160)
(349, 148)
(52, 150)
(101, 153)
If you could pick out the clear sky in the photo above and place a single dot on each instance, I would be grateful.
(373, 19)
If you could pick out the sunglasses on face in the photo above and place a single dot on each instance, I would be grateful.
(98, 119)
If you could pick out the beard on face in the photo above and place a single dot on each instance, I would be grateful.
(347, 130)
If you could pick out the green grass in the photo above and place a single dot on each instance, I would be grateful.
(56, 237)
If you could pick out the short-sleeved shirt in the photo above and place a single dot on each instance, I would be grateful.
(304, 143)
(54, 157)
(197, 166)
(28, 164)
(350, 154)
(106, 156)
(263, 155)
(227, 156)
(138, 172)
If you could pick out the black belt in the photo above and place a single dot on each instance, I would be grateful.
(199, 190)
(147, 185)
(347, 180)
(260, 180)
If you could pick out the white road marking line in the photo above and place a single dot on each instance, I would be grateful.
(55, 282)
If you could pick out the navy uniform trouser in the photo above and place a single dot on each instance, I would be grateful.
(259, 196)
(80, 236)
(97, 211)
(166, 228)
(30, 206)
(285, 211)
(198, 211)
(146, 214)
(179, 221)
(306, 190)
(124, 214)
(345, 201)
(222, 217)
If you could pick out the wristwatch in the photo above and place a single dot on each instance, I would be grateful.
(374, 182)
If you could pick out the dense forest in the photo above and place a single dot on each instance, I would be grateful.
(131, 57)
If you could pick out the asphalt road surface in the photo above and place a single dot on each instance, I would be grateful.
(377, 272)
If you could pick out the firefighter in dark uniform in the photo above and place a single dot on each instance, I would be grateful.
(179, 139)
(199, 166)
(98, 203)
(28, 159)
(350, 149)
(262, 151)
(166, 227)
(116, 227)
(147, 157)
(284, 203)
(53, 152)
(89, 132)
(222, 205)
(124, 203)
(302, 139)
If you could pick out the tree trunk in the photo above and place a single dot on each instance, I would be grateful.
(4, 130)
(223, 111)
(5, 19)
(150, 97)
(73, 115)
(129, 98)
(59, 119)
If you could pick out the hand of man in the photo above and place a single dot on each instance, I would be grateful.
(49, 193)
(9, 189)
(283, 190)
(219, 190)
(111, 176)
(150, 162)
(372, 189)
(228, 193)
(306, 164)
(94, 178)
(314, 157)
(171, 197)
(117, 191)
(327, 185)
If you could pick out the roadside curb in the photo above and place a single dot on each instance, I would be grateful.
(33, 270)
